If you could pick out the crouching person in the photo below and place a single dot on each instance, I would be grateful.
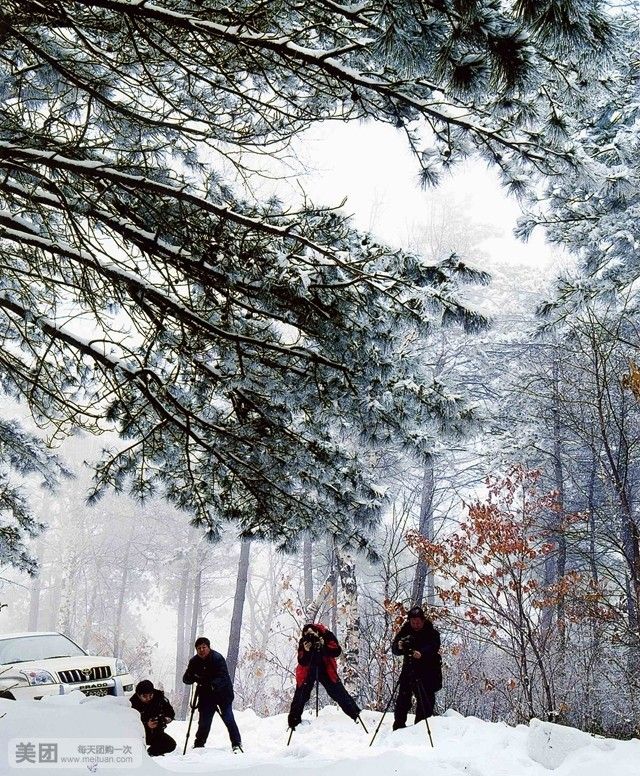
(155, 714)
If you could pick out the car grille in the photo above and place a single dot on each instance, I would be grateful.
(74, 675)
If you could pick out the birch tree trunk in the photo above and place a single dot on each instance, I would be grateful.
(332, 586)
(350, 619)
(307, 570)
(238, 606)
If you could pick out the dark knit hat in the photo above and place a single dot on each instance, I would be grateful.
(416, 611)
(146, 685)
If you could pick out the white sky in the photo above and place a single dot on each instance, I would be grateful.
(371, 165)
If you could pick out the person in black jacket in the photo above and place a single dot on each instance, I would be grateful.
(421, 675)
(215, 692)
(155, 714)
(317, 652)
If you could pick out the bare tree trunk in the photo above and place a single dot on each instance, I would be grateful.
(350, 617)
(181, 647)
(195, 609)
(88, 622)
(593, 562)
(193, 628)
(332, 580)
(423, 575)
(555, 565)
(34, 595)
(617, 456)
(66, 608)
(560, 536)
(55, 595)
(238, 606)
(120, 607)
(307, 570)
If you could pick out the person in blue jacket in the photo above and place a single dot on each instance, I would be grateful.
(208, 669)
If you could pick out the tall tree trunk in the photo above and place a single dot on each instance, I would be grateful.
(593, 562)
(66, 610)
(181, 642)
(238, 606)
(34, 594)
(617, 456)
(332, 581)
(423, 575)
(307, 570)
(54, 596)
(195, 609)
(88, 621)
(124, 581)
(350, 617)
(193, 625)
(555, 564)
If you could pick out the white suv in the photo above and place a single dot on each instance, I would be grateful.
(36, 664)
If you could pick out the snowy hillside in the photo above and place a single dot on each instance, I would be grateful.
(329, 744)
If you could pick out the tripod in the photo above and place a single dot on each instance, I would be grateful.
(335, 690)
(193, 704)
(421, 698)
(421, 695)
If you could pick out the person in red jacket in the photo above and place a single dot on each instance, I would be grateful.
(317, 652)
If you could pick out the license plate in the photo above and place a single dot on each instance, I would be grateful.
(98, 691)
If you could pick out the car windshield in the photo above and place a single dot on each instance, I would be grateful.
(24, 648)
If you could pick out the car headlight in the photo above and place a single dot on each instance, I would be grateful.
(121, 667)
(39, 676)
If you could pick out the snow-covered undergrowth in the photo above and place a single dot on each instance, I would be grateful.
(331, 743)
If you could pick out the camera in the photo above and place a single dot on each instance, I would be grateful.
(160, 720)
(406, 644)
(313, 640)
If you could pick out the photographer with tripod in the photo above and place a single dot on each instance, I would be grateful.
(421, 675)
(317, 652)
(155, 714)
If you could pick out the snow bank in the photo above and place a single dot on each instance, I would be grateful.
(550, 744)
(463, 746)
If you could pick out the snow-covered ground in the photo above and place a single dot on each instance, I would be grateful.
(330, 744)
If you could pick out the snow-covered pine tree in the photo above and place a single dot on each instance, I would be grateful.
(592, 211)
(22, 454)
(231, 342)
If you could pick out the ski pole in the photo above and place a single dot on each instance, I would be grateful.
(193, 704)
